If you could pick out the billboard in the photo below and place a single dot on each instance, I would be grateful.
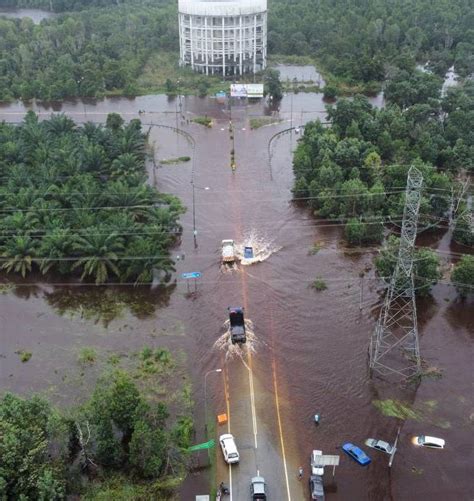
(246, 90)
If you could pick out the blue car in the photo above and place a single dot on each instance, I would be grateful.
(355, 453)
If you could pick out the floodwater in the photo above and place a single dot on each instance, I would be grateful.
(313, 343)
(36, 15)
(303, 73)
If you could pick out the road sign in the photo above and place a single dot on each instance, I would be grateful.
(192, 274)
(205, 445)
(326, 460)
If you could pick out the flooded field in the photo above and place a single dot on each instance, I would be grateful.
(311, 345)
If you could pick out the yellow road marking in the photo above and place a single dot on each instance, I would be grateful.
(280, 430)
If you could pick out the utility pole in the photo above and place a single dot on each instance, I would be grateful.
(397, 327)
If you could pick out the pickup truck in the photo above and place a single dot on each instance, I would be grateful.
(228, 252)
(237, 325)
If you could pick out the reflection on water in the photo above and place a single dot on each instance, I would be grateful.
(230, 350)
(300, 73)
(36, 15)
(101, 304)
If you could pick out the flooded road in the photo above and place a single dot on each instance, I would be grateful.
(310, 347)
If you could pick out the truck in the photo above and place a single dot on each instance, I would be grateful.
(237, 325)
(228, 251)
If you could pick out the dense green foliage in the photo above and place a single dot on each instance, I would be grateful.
(45, 453)
(273, 85)
(74, 200)
(89, 53)
(463, 276)
(33, 447)
(426, 265)
(464, 228)
(107, 44)
(356, 170)
(363, 40)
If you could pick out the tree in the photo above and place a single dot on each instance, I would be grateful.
(18, 254)
(425, 268)
(272, 83)
(114, 122)
(30, 465)
(99, 251)
(463, 276)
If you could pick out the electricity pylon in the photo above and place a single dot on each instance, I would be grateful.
(397, 326)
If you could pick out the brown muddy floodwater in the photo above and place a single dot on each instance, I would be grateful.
(314, 343)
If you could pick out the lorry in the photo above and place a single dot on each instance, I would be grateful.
(237, 325)
(228, 251)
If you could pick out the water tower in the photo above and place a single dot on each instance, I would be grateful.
(223, 37)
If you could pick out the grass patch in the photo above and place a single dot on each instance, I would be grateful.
(256, 123)
(397, 409)
(87, 356)
(24, 355)
(315, 249)
(206, 121)
(159, 361)
(6, 288)
(177, 160)
(319, 285)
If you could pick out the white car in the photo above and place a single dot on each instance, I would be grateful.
(228, 252)
(380, 445)
(229, 449)
(426, 441)
(316, 469)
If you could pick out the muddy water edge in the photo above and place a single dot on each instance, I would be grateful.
(318, 340)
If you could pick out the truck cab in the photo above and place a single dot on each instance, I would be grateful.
(237, 325)
(228, 251)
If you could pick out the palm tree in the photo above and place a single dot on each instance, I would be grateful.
(18, 254)
(126, 164)
(58, 125)
(55, 246)
(137, 198)
(151, 256)
(98, 253)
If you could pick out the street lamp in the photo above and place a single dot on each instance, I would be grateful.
(205, 395)
(194, 210)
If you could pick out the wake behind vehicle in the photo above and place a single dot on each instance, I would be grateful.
(237, 325)
(356, 453)
(229, 449)
(258, 489)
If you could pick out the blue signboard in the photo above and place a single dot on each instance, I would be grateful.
(192, 274)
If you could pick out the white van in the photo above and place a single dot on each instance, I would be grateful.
(229, 449)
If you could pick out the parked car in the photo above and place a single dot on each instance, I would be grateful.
(229, 449)
(316, 487)
(356, 453)
(380, 445)
(315, 469)
(426, 441)
(258, 489)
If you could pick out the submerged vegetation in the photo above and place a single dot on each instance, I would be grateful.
(75, 202)
(355, 171)
(122, 440)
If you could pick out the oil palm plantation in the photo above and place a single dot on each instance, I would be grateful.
(98, 253)
(18, 254)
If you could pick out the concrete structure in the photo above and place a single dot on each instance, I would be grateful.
(226, 37)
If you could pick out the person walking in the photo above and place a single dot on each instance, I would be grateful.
(300, 473)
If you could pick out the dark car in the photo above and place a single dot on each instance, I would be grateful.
(258, 489)
(316, 487)
(237, 325)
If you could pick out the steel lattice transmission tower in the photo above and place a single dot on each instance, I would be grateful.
(397, 326)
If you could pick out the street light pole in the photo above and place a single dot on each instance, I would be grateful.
(194, 217)
(205, 395)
